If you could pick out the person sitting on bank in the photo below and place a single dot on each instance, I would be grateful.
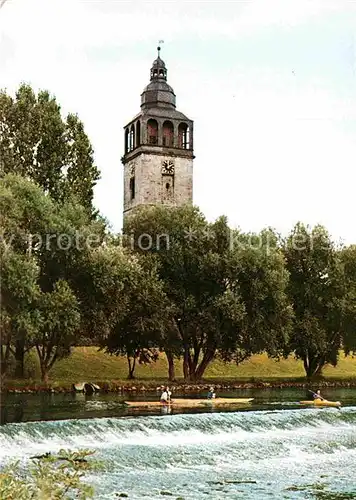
(211, 393)
(166, 396)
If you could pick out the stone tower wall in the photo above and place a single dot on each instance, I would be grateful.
(158, 145)
(151, 181)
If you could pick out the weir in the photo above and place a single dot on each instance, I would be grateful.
(257, 453)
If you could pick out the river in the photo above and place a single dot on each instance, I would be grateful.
(272, 449)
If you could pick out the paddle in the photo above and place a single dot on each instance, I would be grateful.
(320, 397)
(316, 395)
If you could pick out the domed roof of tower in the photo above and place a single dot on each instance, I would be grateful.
(158, 93)
(158, 62)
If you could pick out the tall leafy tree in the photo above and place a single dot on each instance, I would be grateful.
(45, 320)
(138, 331)
(226, 296)
(319, 297)
(57, 236)
(19, 293)
(256, 271)
(24, 211)
(39, 144)
(80, 171)
(126, 303)
(58, 324)
(347, 257)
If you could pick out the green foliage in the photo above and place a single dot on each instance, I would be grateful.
(81, 173)
(19, 293)
(52, 241)
(348, 262)
(57, 477)
(257, 274)
(322, 297)
(227, 296)
(58, 325)
(25, 211)
(194, 289)
(37, 143)
(132, 322)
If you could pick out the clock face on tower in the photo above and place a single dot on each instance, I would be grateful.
(167, 167)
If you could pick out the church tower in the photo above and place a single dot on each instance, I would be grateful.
(158, 159)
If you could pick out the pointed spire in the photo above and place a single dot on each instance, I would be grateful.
(158, 70)
(158, 93)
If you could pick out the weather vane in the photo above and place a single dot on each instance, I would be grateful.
(159, 46)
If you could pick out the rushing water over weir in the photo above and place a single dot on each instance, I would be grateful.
(306, 453)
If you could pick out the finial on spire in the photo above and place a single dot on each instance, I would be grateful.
(159, 46)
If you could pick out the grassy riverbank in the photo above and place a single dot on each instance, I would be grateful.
(90, 365)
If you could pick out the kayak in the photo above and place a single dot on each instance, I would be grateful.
(321, 402)
(186, 403)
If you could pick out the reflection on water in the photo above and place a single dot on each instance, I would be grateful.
(35, 407)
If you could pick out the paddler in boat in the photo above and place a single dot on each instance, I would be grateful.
(166, 396)
(211, 393)
(317, 395)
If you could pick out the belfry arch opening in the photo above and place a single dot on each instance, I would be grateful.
(127, 133)
(132, 137)
(138, 133)
(168, 134)
(183, 136)
(152, 131)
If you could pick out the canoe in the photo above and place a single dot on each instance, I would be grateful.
(188, 403)
(321, 402)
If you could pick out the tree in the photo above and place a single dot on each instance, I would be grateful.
(47, 321)
(128, 303)
(37, 143)
(225, 298)
(257, 275)
(24, 210)
(19, 292)
(317, 292)
(138, 333)
(58, 324)
(58, 237)
(347, 257)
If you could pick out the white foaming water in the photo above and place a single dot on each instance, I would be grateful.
(181, 430)
(273, 449)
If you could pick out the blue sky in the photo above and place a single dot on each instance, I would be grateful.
(270, 85)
